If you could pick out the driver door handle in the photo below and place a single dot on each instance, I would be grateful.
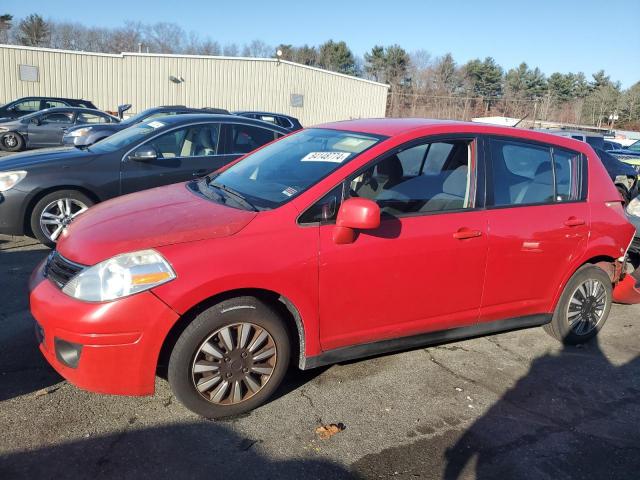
(464, 233)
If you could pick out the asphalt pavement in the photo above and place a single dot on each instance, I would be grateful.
(509, 406)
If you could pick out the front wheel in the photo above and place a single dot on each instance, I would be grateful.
(12, 142)
(583, 307)
(54, 212)
(230, 359)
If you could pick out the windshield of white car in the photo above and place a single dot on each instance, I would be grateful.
(284, 169)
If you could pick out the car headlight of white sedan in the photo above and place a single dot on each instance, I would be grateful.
(120, 276)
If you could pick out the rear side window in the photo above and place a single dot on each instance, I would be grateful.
(530, 174)
(246, 138)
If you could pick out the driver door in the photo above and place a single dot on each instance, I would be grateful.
(182, 154)
(50, 130)
(422, 269)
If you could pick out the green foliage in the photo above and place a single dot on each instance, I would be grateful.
(336, 56)
(484, 78)
(33, 31)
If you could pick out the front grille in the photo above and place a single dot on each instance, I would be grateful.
(60, 270)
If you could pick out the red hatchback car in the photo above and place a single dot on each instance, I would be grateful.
(338, 242)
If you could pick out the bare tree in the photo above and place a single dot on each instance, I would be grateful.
(257, 48)
(230, 50)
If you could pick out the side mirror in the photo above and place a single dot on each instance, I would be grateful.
(36, 121)
(144, 153)
(355, 214)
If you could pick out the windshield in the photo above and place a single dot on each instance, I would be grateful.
(126, 137)
(138, 117)
(280, 171)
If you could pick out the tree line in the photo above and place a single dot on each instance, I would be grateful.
(421, 85)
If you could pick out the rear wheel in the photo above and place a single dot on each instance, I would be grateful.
(230, 359)
(583, 307)
(54, 212)
(12, 142)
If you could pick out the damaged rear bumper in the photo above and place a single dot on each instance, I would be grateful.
(627, 290)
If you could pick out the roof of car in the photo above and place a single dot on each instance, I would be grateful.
(259, 112)
(397, 126)
(190, 117)
(54, 98)
(73, 109)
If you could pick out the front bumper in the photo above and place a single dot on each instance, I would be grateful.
(12, 208)
(119, 341)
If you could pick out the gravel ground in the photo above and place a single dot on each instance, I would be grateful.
(515, 405)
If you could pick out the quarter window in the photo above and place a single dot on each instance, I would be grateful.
(91, 118)
(568, 168)
(430, 177)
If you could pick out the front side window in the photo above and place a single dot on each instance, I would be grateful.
(528, 174)
(27, 106)
(427, 178)
(193, 141)
(286, 168)
(57, 117)
(246, 138)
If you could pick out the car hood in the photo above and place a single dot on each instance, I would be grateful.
(148, 219)
(30, 158)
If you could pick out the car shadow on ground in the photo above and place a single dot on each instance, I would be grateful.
(23, 370)
(574, 415)
(183, 450)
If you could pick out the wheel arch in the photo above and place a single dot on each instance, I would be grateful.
(604, 261)
(287, 311)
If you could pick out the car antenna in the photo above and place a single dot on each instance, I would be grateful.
(518, 122)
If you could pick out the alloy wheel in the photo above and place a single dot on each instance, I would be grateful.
(234, 363)
(586, 307)
(58, 214)
(10, 140)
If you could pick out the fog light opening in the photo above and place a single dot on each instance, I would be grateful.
(67, 353)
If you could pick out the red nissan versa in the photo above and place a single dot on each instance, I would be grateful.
(333, 243)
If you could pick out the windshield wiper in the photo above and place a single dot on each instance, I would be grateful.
(236, 194)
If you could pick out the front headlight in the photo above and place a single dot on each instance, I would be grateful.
(80, 132)
(634, 207)
(11, 179)
(120, 276)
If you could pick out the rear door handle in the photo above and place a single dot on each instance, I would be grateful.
(574, 222)
(465, 233)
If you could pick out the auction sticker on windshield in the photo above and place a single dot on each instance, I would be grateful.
(155, 124)
(332, 157)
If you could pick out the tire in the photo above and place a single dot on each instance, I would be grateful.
(574, 327)
(12, 142)
(202, 346)
(47, 210)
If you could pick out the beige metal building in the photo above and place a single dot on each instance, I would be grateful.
(145, 80)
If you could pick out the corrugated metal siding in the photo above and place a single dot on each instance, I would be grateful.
(231, 83)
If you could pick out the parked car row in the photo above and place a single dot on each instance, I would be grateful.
(43, 191)
(36, 122)
(330, 244)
